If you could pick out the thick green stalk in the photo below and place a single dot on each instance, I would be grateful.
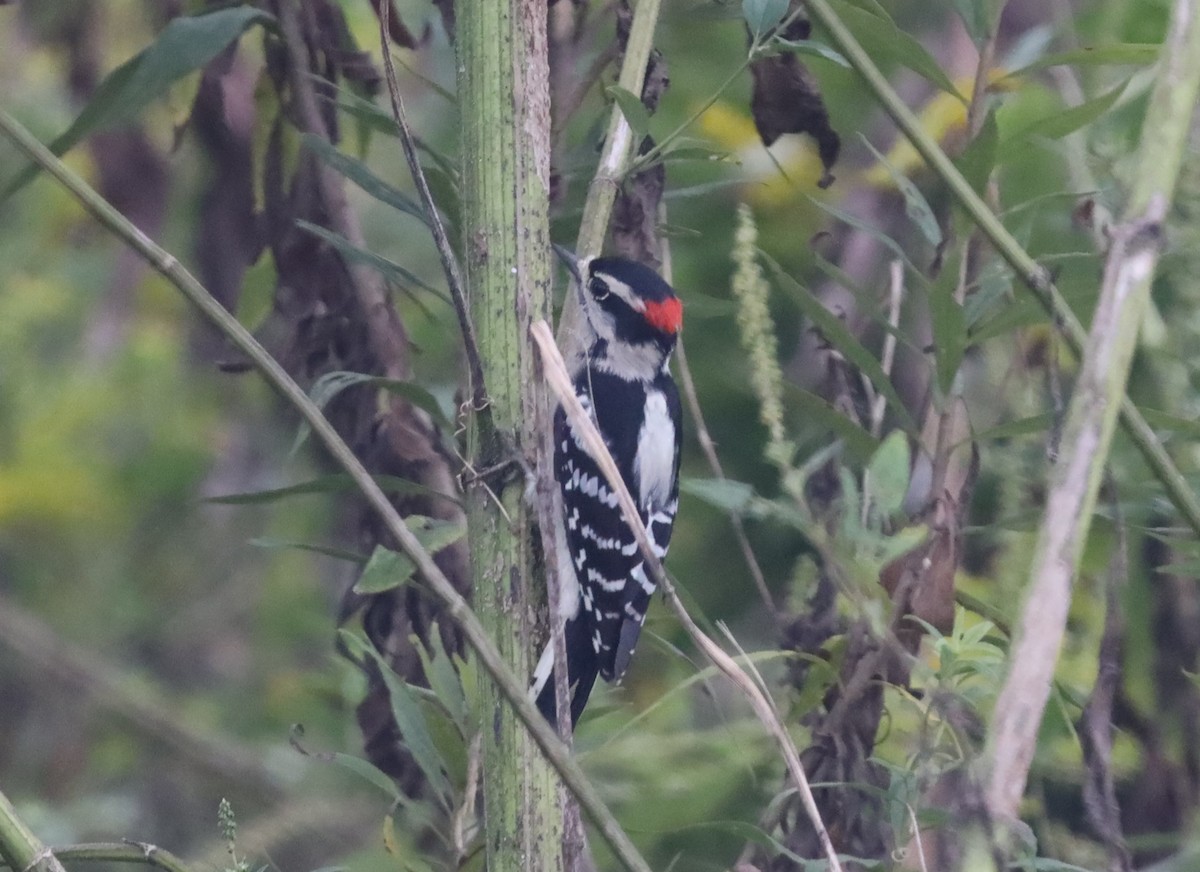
(504, 98)
(457, 608)
(20, 849)
(1028, 270)
(1091, 418)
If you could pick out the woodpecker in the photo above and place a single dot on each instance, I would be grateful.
(631, 323)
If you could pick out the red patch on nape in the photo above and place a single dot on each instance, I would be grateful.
(666, 316)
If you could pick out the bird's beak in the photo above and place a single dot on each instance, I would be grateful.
(569, 260)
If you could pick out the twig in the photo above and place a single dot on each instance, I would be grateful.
(457, 608)
(1091, 417)
(121, 852)
(19, 847)
(560, 384)
(441, 239)
(1028, 270)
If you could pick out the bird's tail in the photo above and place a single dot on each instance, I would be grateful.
(582, 667)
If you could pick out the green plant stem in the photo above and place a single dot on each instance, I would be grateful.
(20, 849)
(121, 852)
(504, 131)
(614, 162)
(1028, 270)
(1134, 248)
(457, 608)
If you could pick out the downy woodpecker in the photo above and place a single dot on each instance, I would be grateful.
(631, 322)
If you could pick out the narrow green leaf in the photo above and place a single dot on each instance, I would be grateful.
(762, 15)
(184, 46)
(331, 384)
(410, 720)
(886, 481)
(327, 484)
(1166, 421)
(1012, 429)
(367, 771)
(1131, 53)
(886, 42)
(949, 326)
(633, 109)
(444, 679)
(363, 176)
(979, 157)
(837, 335)
(729, 496)
(815, 49)
(326, 550)
(916, 207)
(816, 411)
(1062, 123)
(389, 269)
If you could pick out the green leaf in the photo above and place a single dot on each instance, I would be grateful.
(389, 269)
(1066, 121)
(979, 157)
(1012, 429)
(814, 49)
(762, 15)
(633, 109)
(1132, 53)
(733, 497)
(949, 326)
(363, 176)
(916, 207)
(326, 550)
(885, 42)
(328, 484)
(331, 384)
(444, 679)
(815, 410)
(388, 569)
(979, 17)
(184, 46)
(837, 335)
(886, 479)
(367, 771)
(410, 720)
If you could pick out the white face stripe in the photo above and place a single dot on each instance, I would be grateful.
(622, 290)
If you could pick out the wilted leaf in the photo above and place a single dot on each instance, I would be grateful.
(786, 99)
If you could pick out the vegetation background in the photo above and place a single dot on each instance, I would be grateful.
(162, 648)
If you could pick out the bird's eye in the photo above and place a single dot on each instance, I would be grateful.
(598, 288)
